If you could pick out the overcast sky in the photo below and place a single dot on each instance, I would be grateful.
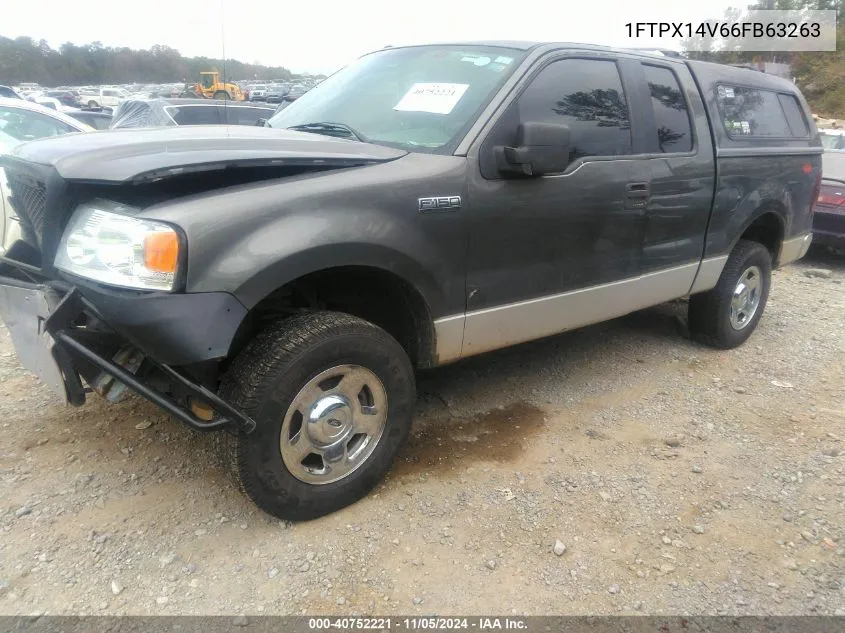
(319, 36)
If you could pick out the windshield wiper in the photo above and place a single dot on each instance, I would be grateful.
(330, 129)
(839, 180)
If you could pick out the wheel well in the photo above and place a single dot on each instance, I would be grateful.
(768, 231)
(375, 295)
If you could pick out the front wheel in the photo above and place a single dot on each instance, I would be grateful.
(93, 104)
(726, 316)
(333, 399)
(222, 95)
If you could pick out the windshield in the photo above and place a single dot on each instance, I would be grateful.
(420, 98)
(832, 141)
(833, 165)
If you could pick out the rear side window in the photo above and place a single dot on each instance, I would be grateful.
(671, 117)
(794, 116)
(753, 113)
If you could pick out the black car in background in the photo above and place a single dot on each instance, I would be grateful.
(169, 112)
(829, 216)
(97, 119)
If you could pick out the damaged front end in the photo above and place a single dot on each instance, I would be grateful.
(81, 336)
(94, 289)
(60, 336)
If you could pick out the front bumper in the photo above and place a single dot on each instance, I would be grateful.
(173, 329)
(829, 228)
(62, 336)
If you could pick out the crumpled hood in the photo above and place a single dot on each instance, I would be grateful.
(144, 154)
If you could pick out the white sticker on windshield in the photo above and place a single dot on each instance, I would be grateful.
(436, 98)
(478, 61)
(503, 60)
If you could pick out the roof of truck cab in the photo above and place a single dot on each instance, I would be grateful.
(515, 44)
(531, 45)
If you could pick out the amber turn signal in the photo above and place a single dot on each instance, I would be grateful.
(161, 251)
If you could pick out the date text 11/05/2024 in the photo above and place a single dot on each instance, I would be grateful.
(789, 30)
(418, 623)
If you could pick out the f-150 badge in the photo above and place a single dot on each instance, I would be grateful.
(440, 203)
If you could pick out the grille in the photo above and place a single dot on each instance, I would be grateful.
(29, 201)
(28, 198)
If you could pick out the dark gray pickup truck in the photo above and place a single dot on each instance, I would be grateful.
(282, 283)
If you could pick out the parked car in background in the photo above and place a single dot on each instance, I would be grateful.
(8, 93)
(168, 112)
(832, 138)
(258, 93)
(295, 93)
(97, 119)
(22, 121)
(829, 216)
(47, 102)
(276, 93)
(65, 97)
(106, 97)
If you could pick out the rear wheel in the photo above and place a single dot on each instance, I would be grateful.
(727, 315)
(222, 95)
(333, 399)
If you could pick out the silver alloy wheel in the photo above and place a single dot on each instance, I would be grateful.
(333, 424)
(746, 297)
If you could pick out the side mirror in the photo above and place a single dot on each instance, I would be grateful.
(542, 148)
(261, 122)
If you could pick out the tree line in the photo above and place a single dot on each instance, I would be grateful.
(24, 59)
(819, 75)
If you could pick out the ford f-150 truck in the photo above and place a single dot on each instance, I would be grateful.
(282, 283)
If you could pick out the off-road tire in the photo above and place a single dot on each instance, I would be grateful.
(709, 312)
(267, 375)
(222, 95)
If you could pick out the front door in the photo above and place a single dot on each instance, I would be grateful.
(547, 254)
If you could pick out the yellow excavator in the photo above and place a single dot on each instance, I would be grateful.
(210, 87)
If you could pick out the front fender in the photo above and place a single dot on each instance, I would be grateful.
(251, 240)
(295, 245)
(322, 257)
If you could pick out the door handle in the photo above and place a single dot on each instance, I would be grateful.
(637, 189)
(636, 195)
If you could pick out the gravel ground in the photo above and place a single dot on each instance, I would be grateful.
(616, 469)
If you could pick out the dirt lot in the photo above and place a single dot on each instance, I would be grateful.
(680, 480)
